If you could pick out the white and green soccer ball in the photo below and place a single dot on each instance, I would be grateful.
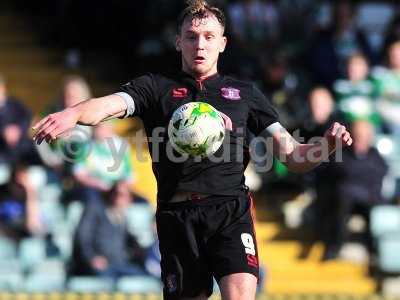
(196, 129)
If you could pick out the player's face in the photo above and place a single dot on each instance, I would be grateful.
(201, 41)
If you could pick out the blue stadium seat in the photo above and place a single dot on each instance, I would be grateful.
(89, 284)
(10, 266)
(46, 276)
(43, 283)
(389, 252)
(74, 214)
(8, 248)
(31, 252)
(51, 211)
(52, 266)
(5, 173)
(63, 240)
(140, 219)
(139, 284)
(383, 219)
(11, 282)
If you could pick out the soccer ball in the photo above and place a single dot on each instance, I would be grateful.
(196, 129)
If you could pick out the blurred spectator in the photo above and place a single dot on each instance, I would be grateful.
(68, 149)
(387, 84)
(75, 89)
(19, 207)
(359, 184)
(333, 47)
(15, 119)
(285, 89)
(254, 23)
(103, 245)
(108, 161)
(322, 14)
(392, 34)
(355, 94)
(374, 18)
(321, 113)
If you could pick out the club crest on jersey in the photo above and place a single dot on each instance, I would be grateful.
(230, 93)
(179, 92)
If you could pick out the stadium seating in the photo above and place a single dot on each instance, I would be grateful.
(43, 283)
(64, 226)
(11, 276)
(84, 284)
(140, 218)
(8, 249)
(11, 282)
(389, 252)
(63, 241)
(51, 266)
(384, 218)
(4, 173)
(31, 252)
(385, 228)
(10, 265)
(139, 284)
(52, 212)
(73, 214)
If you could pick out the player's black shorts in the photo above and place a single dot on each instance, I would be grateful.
(205, 238)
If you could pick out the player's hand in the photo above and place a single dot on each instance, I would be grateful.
(54, 125)
(227, 121)
(338, 136)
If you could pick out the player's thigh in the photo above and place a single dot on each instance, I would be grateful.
(239, 286)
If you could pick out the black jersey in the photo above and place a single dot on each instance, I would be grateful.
(156, 97)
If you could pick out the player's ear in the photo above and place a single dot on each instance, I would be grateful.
(223, 44)
(178, 43)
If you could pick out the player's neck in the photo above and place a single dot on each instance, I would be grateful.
(204, 77)
(200, 77)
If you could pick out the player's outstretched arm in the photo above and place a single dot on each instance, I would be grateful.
(90, 112)
(301, 158)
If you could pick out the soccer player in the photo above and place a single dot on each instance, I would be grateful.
(204, 220)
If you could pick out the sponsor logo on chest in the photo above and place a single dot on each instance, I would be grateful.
(179, 93)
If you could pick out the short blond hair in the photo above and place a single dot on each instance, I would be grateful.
(200, 9)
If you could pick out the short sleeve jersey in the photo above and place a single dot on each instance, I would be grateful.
(156, 97)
